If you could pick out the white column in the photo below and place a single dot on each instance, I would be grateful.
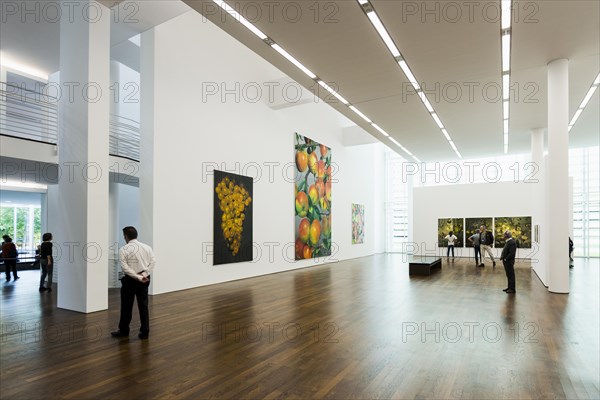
(83, 156)
(558, 172)
(539, 260)
(147, 112)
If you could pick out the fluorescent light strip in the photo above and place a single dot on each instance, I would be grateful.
(384, 133)
(588, 96)
(409, 75)
(506, 53)
(597, 81)
(506, 14)
(426, 101)
(333, 92)
(363, 116)
(506, 108)
(416, 159)
(505, 86)
(506, 126)
(576, 116)
(291, 59)
(453, 145)
(383, 33)
(240, 19)
(437, 120)
(445, 132)
(458, 154)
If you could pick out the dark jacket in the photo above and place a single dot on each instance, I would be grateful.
(509, 251)
(9, 251)
(486, 239)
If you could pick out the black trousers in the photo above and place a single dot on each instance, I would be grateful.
(133, 289)
(477, 253)
(450, 247)
(509, 268)
(10, 265)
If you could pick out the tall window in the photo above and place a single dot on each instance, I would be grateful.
(20, 218)
(396, 203)
(583, 167)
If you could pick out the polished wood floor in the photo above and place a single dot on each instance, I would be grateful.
(354, 329)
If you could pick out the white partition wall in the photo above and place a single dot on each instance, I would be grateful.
(201, 110)
(501, 199)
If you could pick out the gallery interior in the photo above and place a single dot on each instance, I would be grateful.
(399, 128)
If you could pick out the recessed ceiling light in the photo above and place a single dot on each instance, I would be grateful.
(384, 133)
(409, 74)
(506, 14)
(383, 33)
(505, 53)
(363, 116)
(437, 120)
(25, 69)
(240, 19)
(333, 92)
(297, 63)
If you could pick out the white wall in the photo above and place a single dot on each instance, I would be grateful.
(184, 136)
(501, 199)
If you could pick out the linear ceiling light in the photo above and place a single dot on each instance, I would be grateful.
(505, 37)
(382, 32)
(291, 59)
(585, 101)
(384, 133)
(380, 28)
(333, 92)
(368, 9)
(240, 19)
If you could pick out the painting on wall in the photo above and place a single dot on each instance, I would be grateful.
(446, 225)
(358, 223)
(312, 187)
(232, 218)
(520, 227)
(536, 233)
(471, 226)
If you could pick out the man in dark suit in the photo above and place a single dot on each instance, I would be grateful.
(508, 255)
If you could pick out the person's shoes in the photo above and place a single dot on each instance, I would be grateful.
(17, 277)
(143, 336)
(511, 291)
(481, 265)
(119, 334)
(7, 279)
(42, 289)
(505, 290)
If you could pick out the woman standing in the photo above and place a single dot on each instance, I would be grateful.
(46, 261)
(9, 255)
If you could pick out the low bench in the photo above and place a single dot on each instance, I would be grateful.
(418, 265)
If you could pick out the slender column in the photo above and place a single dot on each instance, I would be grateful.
(558, 173)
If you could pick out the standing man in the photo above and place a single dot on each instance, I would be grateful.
(137, 263)
(474, 238)
(508, 259)
(486, 240)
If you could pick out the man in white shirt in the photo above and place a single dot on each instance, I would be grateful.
(137, 263)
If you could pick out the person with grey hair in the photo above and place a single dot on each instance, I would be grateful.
(508, 255)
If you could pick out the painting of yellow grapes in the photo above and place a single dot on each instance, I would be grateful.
(520, 227)
(312, 192)
(232, 230)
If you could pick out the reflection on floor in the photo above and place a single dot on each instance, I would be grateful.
(355, 329)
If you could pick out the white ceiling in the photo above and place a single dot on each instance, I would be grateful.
(450, 54)
(340, 45)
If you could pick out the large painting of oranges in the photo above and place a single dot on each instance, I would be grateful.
(312, 198)
(232, 228)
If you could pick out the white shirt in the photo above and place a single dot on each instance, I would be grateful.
(137, 259)
(450, 239)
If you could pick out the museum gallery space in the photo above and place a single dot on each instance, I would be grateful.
(315, 180)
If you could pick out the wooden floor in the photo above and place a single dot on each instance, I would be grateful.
(354, 329)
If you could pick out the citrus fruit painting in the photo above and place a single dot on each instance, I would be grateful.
(312, 198)
(232, 218)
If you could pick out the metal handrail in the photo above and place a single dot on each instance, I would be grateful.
(32, 115)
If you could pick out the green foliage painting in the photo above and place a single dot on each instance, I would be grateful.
(446, 225)
(520, 227)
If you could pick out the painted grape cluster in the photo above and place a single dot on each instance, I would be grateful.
(233, 200)
(313, 198)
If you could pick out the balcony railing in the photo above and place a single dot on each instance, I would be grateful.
(32, 115)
